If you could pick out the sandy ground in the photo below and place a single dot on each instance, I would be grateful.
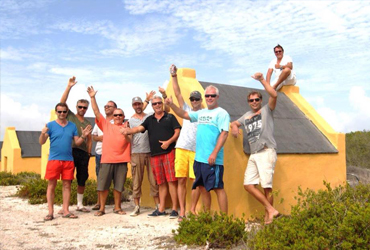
(22, 227)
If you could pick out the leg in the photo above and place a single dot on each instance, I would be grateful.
(181, 189)
(137, 172)
(50, 195)
(206, 198)
(222, 199)
(103, 198)
(66, 196)
(195, 194)
(151, 179)
(117, 200)
(282, 77)
(173, 193)
(163, 191)
(97, 168)
(270, 199)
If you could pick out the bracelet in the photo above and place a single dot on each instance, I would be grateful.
(147, 101)
(164, 96)
(174, 75)
(83, 138)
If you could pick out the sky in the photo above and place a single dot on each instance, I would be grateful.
(124, 49)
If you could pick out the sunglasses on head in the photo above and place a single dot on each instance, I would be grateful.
(256, 99)
(156, 103)
(82, 107)
(115, 115)
(64, 111)
(192, 99)
(213, 95)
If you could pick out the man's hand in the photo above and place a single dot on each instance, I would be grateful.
(72, 81)
(124, 130)
(165, 144)
(212, 159)
(168, 101)
(162, 91)
(45, 129)
(173, 70)
(277, 66)
(150, 95)
(235, 131)
(258, 76)
(91, 91)
(86, 131)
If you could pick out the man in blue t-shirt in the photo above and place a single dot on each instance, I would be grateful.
(212, 132)
(60, 163)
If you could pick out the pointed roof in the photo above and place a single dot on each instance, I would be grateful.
(294, 132)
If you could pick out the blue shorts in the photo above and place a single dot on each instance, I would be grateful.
(210, 177)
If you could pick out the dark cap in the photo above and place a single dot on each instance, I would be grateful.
(196, 94)
(136, 99)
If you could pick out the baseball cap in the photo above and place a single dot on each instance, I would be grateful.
(196, 94)
(136, 99)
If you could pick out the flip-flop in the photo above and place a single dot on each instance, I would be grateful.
(70, 216)
(181, 218)
(99, 213)
(96, 207)
(120, 212)
(49, 217)
(277, 216)
(83, 210)
(61, 212)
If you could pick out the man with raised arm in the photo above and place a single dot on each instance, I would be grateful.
(163, 131)
(60, 163)
(282, 66)
(82, 153)
(97, 135)
(115, 156)
(212, 132)
(185, 147)
(259, 125)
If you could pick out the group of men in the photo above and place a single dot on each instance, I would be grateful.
(168, 151)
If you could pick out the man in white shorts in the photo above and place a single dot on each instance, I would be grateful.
(282, 66)
(259, 125)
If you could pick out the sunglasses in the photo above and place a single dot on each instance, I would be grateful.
(107, 106)
(252, 100)
(194, 99)
(156, 103)
(64, 112)
(278, 51)
(82, 107)
(213, 96)
(115, 115)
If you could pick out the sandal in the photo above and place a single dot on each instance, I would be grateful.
(49, 217)
(99, 213)
(120, 212)
(96, 207)
(181, 218)
(70, 216)
(83, 210)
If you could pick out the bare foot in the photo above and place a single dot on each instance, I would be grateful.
(258, 76)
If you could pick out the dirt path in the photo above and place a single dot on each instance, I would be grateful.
(22, 227)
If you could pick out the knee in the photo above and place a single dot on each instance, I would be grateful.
(288, 70)
(248, 187)
(182, 181)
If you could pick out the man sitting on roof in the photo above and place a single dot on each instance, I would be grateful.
(259, 125)
(282, 66)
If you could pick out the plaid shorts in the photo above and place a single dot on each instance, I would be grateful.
(163, 167)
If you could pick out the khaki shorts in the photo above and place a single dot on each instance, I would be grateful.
(140, 161)
(112, 171)
(184, 161)
(261, 168)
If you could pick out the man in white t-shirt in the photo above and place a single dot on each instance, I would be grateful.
(282, 66)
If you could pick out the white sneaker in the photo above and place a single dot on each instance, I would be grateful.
(136, 211)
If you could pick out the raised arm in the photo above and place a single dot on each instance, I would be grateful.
(272, 92)
(235, 128)
(220, 142)
(71, 82)
(44, 135)
(268, 75)
(175, 85)
(164, 95)
(94, 105)
(148, 98)
(180, 112)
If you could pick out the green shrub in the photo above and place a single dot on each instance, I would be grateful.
(8, 179)
(358, 149)
(327, 219)
(218, 230)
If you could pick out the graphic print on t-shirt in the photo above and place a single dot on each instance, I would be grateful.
(254, 126)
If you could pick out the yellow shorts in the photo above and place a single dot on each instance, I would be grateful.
(184, 161)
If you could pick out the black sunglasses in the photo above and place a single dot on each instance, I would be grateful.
(115, 115)
(192, 99)
(64, 112)
(256, 99)
(82, 107)
(213, 95)
(156, 103)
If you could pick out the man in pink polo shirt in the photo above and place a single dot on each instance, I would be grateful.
(116, 153)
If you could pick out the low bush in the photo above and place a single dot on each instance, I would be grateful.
(8, 179)
(217, 230)
(327, 219)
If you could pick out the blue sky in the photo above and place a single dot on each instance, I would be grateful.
(124, 49)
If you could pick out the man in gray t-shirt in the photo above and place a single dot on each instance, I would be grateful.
(259, 125)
